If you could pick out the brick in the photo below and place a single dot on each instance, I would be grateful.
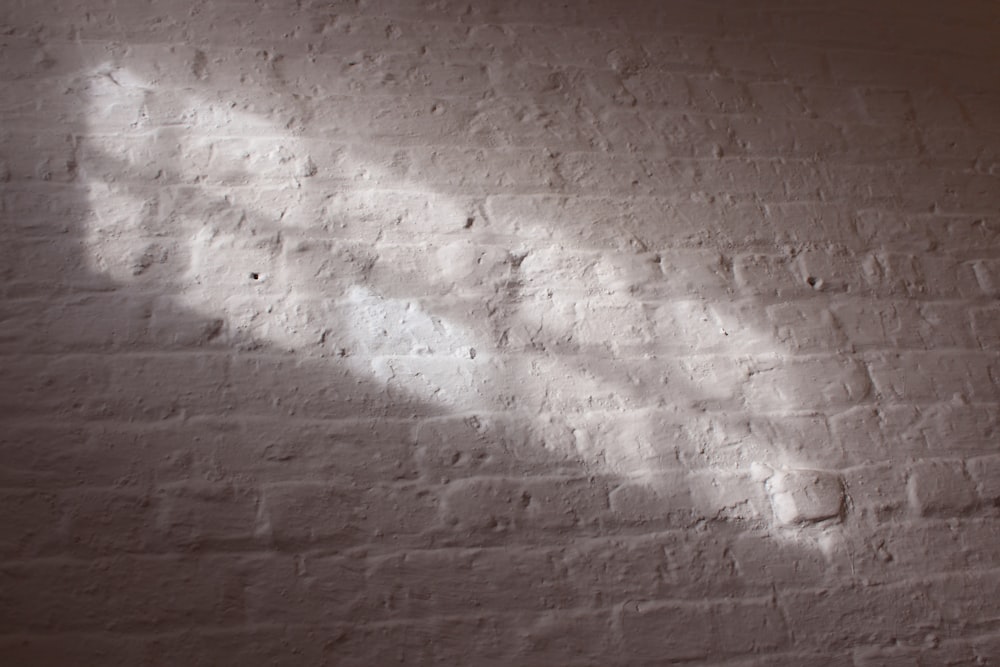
(768, 275)
(546, 637)
(661, 500)
(445, 383)
(328, 389)
(547, 321)
(988, 276)
(877, 491)
(495, 444)
(898, 616)
(928, 276)
(886, 142)
(299, 514)
(125, 593)
(886, 554)
(700, 632)
(46, 157)
(728, 495)
(807, 325)
(805, 496)
(43, 266)
(462, 268)
(374, 326)
(802, 384)
(940, 324)
(794, 440)
(200, 516)
(985, 472)
(29, 528)
(955, 428)
(307, 591)
(41, 454)
(940, 487)
(622, 325)
(47, 209)
(670, 135)
(931, 653)
(945, 191)
(84, 649)
(499, 506)
(572, 637)
(647, 441)
(426, 640)
(873, 433)
(760, 559)
(143, 455)
(931, 376)
(160, 385)
(97, 322)
(174, 325)
(691, 326)
(105, 522)
(53, 385)
(423, 583)
(665, 565)
(349, 451)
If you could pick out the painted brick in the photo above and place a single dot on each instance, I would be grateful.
(501, 506)
(818, 382)
(805, 496)
(314, 513)
(498, 333)
(179, 591)
(699, 632)
(494, 444)
(940, 487)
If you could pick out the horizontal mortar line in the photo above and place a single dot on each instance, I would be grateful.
(681, 69)
(684, 112)
(262, 482)
(865, 205)
(206, 420)
(320, 552)
(236, 627)
(480, 191)
(185, 631)
(896, 465)
(782, 159)
(936, 577)
(558, 367)
(691, 109)
(250, 420)
(249, 549)
(653, 356)
(407, 140)
(711, 33)
(889, 200)
(469, 191)
(583, 475)
(584, 541)
(514, 149)
(337, 85)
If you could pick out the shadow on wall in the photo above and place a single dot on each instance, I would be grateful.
(277, 364)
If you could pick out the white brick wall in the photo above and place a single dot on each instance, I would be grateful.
(499, 333)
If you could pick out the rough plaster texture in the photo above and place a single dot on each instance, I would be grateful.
(499, 332)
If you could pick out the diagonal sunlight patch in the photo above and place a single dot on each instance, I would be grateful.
(256, 237)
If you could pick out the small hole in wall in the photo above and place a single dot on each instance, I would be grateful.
(468, 223)
(812, 281)
(254, 275)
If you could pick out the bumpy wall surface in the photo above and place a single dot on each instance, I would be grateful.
(499, 332)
